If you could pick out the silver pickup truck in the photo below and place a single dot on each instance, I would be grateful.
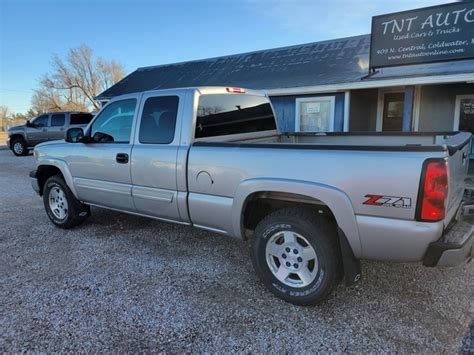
(313, 204)
(46, 127)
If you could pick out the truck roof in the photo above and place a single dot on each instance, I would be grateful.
(203, 90)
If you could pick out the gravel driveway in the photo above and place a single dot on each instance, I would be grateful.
(121, 283)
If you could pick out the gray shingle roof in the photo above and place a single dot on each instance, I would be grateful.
(336, 61)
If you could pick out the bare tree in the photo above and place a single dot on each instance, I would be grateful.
(75, 81)
(4, 110)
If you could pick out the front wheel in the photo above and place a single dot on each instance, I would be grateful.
(295, 253)
(19, 147)
(62, 208)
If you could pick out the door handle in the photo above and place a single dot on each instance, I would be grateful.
(44, 129)
(122, 158)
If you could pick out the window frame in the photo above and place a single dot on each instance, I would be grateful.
(88, 132)
(300, 100)
(140, 117)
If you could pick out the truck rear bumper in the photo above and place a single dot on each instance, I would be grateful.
(453, 248)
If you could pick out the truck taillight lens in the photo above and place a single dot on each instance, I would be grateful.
(434, 191)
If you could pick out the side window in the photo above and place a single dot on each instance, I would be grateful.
(81, 118)
(58, 119)
(41, 121)
(114, 123)
(158, 120)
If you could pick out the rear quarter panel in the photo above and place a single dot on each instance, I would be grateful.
(357, 173)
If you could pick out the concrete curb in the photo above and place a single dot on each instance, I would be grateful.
(3, 147)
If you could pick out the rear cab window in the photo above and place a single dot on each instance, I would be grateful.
(230, 114)
(81, 118)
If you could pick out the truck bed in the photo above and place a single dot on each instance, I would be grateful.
(359, 164)
(392, 141)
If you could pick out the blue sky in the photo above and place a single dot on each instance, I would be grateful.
(145, 32)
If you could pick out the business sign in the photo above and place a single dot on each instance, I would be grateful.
(431, 34)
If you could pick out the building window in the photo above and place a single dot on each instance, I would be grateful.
(315, 114)
(393, 105)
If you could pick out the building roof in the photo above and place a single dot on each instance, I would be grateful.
(338, 61)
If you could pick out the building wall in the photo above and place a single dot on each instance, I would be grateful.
(437, 106)
(285, 110)
(363, 110)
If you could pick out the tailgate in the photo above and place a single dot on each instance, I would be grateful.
(458, 162)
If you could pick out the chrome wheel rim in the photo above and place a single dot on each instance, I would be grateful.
(58, 203)
(18, 148)
(291, 259)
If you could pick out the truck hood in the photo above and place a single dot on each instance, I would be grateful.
(53, 149)
(15, 129)
(49, 144)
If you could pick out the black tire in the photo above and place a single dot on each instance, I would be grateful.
(319, 233)
(76, 212)
(19, 147)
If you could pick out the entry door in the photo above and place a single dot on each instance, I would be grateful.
(392, 115)
(464, 116)
(154, 157)
(38, 132)
(101, 168)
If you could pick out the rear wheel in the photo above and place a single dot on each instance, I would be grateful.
(295, 253)
(62, 208)
(19, 147)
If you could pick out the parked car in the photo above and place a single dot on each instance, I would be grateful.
(314, 204)
(46, 127)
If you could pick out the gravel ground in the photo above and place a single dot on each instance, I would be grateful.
(125, 283)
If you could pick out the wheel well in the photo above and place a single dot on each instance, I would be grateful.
(44, 172)
(260, 204)
(14, 137)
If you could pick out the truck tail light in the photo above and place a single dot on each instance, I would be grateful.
(433, 191)
(235, 90)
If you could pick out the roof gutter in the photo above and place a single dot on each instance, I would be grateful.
(372, 84)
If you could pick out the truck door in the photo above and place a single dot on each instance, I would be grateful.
(58, 126)
(37, 131)
(101, 167)
(154, 156)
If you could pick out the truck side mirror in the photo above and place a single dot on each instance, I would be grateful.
(74, 135)
(29, 124)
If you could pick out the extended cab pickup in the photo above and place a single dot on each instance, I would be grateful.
(46, 127)
(313, 204)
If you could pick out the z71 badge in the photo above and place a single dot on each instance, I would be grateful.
(388, 201)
